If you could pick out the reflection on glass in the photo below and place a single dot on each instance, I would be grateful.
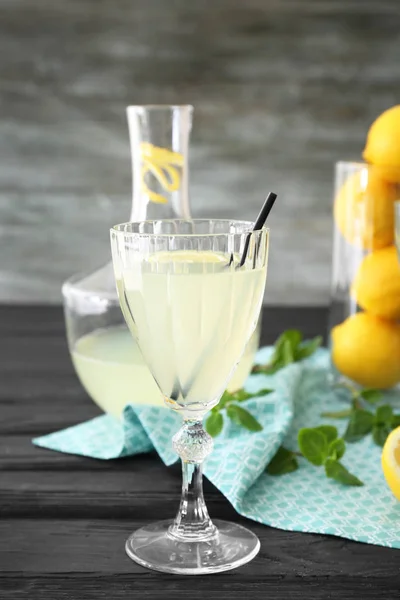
(397, 226)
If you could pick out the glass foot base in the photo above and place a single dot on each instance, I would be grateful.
(153, 547)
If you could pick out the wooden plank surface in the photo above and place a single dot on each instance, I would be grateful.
(64, 519)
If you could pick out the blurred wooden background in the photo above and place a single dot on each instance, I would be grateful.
(281, 89)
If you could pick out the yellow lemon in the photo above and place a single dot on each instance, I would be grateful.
(391, 461)
(364, 210)
(382, 147)
(367, 350)
(162, 163)
(376, 286)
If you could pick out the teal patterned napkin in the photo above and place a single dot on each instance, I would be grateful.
(304, 500)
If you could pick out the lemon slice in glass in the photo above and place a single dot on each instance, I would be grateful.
(188, 256)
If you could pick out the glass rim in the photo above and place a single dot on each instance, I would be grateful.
(135, 234)
(71, 280)
(363, 164)
(352, 163)
(68, 289)
(159, 106)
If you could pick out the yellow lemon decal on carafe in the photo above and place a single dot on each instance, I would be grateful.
(165, 165)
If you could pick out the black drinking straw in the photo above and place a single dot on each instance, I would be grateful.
(259, 224)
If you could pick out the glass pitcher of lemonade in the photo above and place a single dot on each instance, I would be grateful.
(106, 358)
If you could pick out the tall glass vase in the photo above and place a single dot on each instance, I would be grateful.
(365, 299)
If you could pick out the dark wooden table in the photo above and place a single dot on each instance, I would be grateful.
(64, 519)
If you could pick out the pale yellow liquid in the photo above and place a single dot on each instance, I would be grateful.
(112, 370)
(192, 317)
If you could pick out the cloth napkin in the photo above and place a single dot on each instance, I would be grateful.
(304, 500)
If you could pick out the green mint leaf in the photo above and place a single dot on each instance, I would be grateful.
(313, 445)
(339, 414)
(395, 421)
(263, 392)
(288, 348)
(293, 336)
(306, 349)
(225, 398)
(241, 416)
(355, 403)
(370, 395)
(277, 353)
(268, 369)
(359, 425)
(380, 431)
(285, 347)
(329, 431)
(384, 414)
(335, 470)
(284, 461)
(232, 414)
(271, 369)
(336, 449)
(287, 353)
(242, 395)
(214, 424)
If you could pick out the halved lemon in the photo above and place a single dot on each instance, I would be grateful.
(391, 461)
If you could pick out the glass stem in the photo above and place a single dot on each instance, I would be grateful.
(192, 522)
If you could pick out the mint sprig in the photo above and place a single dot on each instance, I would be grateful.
(288, 348)
(214, 423)
(313, 445)
(243, 417)
(338, 414)
(335, 470)
(337, 448)
(320, 446)
(369, 395)
(284, 461)
(229, 406)
(364, 418)
(359, 425)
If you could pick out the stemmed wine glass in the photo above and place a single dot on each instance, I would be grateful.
(191, 293)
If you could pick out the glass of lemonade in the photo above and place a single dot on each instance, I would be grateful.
(192, 310)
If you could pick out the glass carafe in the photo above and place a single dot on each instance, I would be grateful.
(106, 359)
